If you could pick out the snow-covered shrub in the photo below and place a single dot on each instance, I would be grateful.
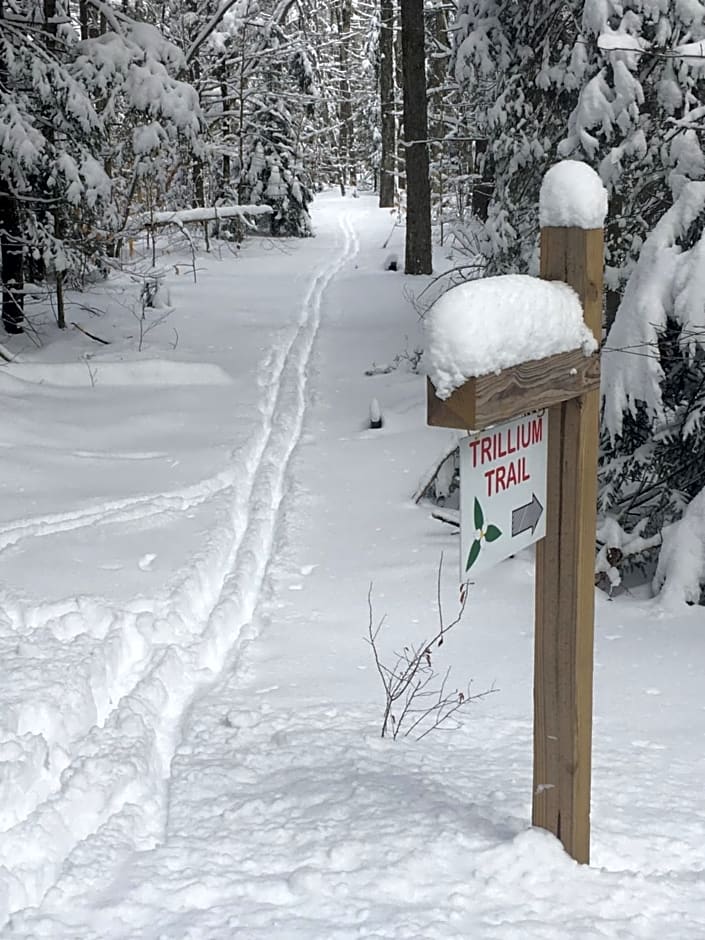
(271, 170)
(272, 177)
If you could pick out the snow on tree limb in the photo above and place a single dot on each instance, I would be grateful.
(182, 217)
(667, 282)
(111, 17)
(208, 29)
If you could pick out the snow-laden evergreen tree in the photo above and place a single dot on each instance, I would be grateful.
(273, 171)
(512, 63)
(639, 122)
(621, 86)
(90, 129)
(50, 179)
(151, 119)
(654, 389)
(637, 115)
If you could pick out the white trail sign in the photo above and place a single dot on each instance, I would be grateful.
(502, 491)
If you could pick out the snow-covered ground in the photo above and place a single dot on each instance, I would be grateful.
(189, 712)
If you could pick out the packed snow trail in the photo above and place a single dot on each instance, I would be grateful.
(110, 787)
(281, 814)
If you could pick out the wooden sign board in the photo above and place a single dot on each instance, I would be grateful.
(530, 386)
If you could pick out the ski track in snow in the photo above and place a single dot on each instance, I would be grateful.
(133, 509)
(107, 785)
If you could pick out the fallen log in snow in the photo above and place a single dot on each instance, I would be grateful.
(181, 217)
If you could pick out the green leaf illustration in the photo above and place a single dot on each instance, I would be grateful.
(492, 533)
(474, 552)
(479, 516)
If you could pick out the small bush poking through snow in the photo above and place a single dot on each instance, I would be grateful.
(417, 699)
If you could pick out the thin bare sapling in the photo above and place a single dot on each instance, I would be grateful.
(418, 697)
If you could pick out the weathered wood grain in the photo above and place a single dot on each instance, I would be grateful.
(530, 386)
(565, 591)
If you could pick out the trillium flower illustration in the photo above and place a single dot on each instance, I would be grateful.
(483, 533)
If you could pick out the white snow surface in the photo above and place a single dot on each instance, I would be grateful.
(93, 371)
(189, 712)
(493, 323)
(572, 196)
(681, 565)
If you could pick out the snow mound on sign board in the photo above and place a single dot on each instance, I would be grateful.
(491, 324)
(572, 196)
(154, 372)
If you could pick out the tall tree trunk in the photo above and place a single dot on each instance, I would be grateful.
(386, 94)
(11, 246)
(198, 197)
(399, 85)
(12, 260)
(437, 75)
(345, 110)
(482, 188)
(51, 30)
(418, 258)
(226, 105)
(85, 17)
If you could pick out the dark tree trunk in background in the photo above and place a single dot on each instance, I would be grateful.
(84, 19)
(343, 15)
(11, 258)
(11, 245)
(50, 25)
(482, 188)
(386, 94)
(226, 104)
(418, 259)
(398, 86)
(437, 53)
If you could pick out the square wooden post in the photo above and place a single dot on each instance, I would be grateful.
(565, 585)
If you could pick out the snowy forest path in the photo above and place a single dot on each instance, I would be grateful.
(114, 785)
(189, 711)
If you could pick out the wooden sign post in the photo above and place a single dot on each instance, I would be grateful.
(568, 385)
(565, 573)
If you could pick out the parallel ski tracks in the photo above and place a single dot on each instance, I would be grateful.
(114, 793)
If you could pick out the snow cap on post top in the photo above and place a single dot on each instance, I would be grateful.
(572, 196)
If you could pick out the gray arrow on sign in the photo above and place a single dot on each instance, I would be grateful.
(526, 517)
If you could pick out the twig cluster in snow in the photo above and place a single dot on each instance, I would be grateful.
(411, 359)
(418, 698)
